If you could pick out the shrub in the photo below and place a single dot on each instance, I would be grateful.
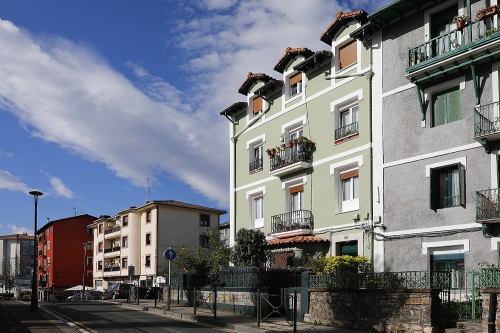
(342, 265)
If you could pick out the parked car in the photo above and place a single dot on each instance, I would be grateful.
(89, 295)
(117, 290)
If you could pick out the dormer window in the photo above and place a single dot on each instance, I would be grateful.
(295, 84)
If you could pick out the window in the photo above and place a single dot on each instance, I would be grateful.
(204, 220)
(48, 231)
(125, 241)
(256, 163)
(89, 273)
(295, 133)
(148, 239)
(349, 248)
(255, 200)
(203, 241)
(441, 24)
(99, 265)
(89, 261)
(347, 54)
(349, 120)
(295, 84)
(447, 186)
(148, 261)
(98, 283)
(100, 247)
(257, 106)
(48, 245)
(89, 231)
(446, 106)
(124, 262)
(48, 261)
(350, 190)
(148, 216)
(125, 220)
(296, 201)
(89, 245)
(101, 226)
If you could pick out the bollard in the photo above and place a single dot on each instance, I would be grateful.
(155, 294)
(295, 311)
(137, 294)
(178, 294)
(258, 307)
(215, 302)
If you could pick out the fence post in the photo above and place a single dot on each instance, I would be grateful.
(194, 300)
(215, 302)
(473, 292)
(155, 294)
(138, 294)
(258, 307)
(295, 311)
(168, 297)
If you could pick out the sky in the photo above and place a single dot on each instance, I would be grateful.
(98, 99)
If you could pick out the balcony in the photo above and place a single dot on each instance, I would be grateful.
(112, 249)
(286, 160)
(298, 222)
(112, 233)
(112, 269)
(487, 122)
(475, 42)
(256, 166)
(488, 206)
(347, 132)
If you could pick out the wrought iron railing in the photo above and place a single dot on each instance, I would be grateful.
(486, 119)
(451, 201)
(302, 152)
(410, 280)
(112, 249)
(256, 165)
(487, 205)
(112, 269)
(295, 220)
(342, 132)
(115, 229)
(453, 42)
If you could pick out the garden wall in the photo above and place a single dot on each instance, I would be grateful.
(399, 310)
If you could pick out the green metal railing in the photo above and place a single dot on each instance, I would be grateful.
(456, 41)
(386, 280)
(487, 205)
(486, 119)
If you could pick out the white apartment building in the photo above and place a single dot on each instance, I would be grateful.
(129, 246)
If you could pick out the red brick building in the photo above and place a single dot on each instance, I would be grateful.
(62, 256)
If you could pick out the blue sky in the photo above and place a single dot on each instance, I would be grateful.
(98, 96)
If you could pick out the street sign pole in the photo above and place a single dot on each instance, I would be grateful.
(169, 255)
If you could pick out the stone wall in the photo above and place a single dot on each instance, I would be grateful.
(486, 307)
(401, 310)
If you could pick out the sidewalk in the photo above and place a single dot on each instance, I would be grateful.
(228, 320)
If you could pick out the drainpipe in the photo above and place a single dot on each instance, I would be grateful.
(254, 120)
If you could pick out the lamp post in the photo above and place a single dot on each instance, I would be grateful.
(84, 266)
(34, 289)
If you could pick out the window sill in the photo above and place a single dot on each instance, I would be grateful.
(346, 69)
(255, 171)
(292, 98)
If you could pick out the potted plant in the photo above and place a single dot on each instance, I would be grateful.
(290, 144)
(486, 12)
(461, 20)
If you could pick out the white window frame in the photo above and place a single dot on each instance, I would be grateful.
(446, 247)
(292, 126)
(351, 204)
(254, 143)
(287, 88)
(250, 114)
(336, 49)
(347, 238)
(250, 196)
(428, 13)
(285, 186)
(429, 92)
(335, 170)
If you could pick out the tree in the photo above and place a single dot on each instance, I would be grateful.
(207, 259)
(250, 248)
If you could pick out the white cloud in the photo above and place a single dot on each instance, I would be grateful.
(19, 230)
(12, 183)
(66, 93)
(59, 187)
(5, 154)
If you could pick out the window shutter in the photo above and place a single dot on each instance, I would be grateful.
(439, 109)
(298, 188)
(257, 104)
(454, 111)
(446, 106)
(349, 174)
(295, 79)
(461, 177)
(434, 189)
(347, 54)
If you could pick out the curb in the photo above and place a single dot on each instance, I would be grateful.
(197, 319)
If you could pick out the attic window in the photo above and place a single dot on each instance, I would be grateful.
(347, 54)
(295, 84)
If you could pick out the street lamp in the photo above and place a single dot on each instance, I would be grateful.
(84, 266)
(34, 289)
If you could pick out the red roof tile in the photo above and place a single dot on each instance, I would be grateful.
(289, 54)
(359, 15)
(298, 239)
(251, 79)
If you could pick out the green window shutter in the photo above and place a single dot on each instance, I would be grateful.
(461, 174)
(446, 106)
(434, 189)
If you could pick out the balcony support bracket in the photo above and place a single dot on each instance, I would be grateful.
(420, 101)
(486, 145)
(474, 80)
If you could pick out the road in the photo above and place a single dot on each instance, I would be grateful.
(101, 316)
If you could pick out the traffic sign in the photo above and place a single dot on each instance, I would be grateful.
(170, 254)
